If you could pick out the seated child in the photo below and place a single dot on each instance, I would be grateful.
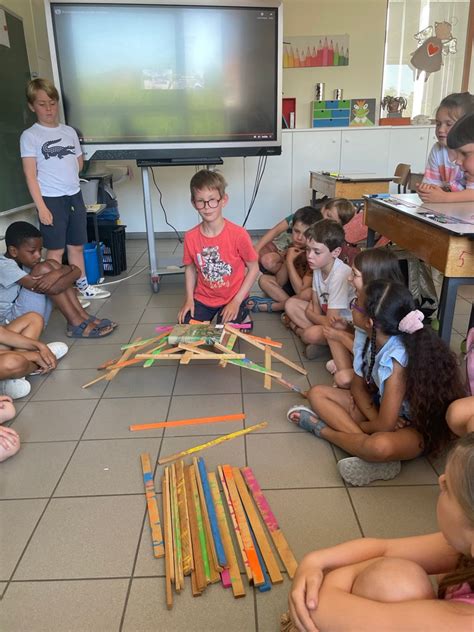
(294, 274)
(445, 180)
(21, 353)
(405, 379)
(221, 263)
(27, 284)
(379, 585)
(331, 290)
(9, 439)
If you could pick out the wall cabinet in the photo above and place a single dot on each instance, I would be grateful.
(365, 151)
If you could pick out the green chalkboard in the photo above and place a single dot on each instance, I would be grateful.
(14, 115)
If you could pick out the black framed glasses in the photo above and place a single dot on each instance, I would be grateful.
(201, 204)
(354, 305)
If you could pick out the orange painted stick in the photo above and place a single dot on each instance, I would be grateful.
(187, 422)
(266, 341)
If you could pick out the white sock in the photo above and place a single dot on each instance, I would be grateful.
(82, 283)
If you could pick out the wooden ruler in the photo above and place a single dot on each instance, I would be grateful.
(201, 559)
(186, 545)
(169, 561)
(276, 533)
(178, 553)
(152, 504)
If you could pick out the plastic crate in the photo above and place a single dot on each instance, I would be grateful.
(115, 255)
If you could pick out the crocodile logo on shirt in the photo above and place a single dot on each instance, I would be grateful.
(59, 152)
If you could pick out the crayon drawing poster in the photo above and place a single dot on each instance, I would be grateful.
(316, 50)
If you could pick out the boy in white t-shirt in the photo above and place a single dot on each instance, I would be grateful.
(52, 159)
(332, 292)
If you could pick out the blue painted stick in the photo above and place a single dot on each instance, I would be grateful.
(211, 510)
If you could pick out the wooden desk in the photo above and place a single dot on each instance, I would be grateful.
(448, 247)
(353, 187)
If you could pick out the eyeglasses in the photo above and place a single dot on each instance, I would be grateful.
(353, 305)
(201, 204)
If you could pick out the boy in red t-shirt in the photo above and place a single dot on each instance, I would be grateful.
(221, 262)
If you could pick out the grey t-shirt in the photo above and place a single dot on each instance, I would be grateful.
(10, 274)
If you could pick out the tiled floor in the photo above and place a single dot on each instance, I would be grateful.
(76, 550)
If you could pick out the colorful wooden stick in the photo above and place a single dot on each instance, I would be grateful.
(266, 586)
(169, 563)
(257, 528)
(267, 380)
(269, 519)
(198, 554)
(233, 570)
(187, 422)
(257, 574)
(235, 524)
(210, 444)
(178, 557)
(186, 545)
(214, 566)
(152, 504)
(200, 524)
(211, 510)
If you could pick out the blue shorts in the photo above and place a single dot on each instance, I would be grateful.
(205, 312)
(28, 301)
(69, 222)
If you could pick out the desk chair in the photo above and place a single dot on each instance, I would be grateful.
(413, 181)
(401, 176)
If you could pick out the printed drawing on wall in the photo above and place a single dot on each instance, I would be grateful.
(316, 50)
(428, 57)
(362, 112)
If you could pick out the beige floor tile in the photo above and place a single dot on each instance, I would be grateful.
(112, 417)
(42, 421)
(81, 538)
(75, 606)
(18, 518)
(215, 609)
(107, 467)
(313, 518)
(289, 351)
(155, 381)
(266, 326)
(317, 373)
(271, 605)
(192, 406)
(147, 565)
(122, 314)
(120, 301)
(67, 384)
(271, 407)
(160, 315)
(35, 470)
(253, 382)
(133, 289)
(87, 357)
(292, 460)
(207, 379)
(463, 306)
(395, 512)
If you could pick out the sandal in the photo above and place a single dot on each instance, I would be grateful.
(305, 421)
(103, 322)
(254, 303)
(78, 331)
(285, 319)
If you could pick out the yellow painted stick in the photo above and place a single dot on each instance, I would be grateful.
(152, 504)
(210, 444)
(178, 552)
(188, 422)
(186, 545)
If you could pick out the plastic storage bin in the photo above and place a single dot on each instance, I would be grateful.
(91, 262)
(115, 256)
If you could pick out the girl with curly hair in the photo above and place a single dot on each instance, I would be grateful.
(405, 377)
(373, 584)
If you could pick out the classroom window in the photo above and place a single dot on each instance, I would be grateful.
(407, 18)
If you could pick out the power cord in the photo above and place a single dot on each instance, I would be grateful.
(261, 166)
(164, 210)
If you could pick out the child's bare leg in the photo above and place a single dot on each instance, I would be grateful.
(7, 409)
(14, 365)
(271, 288)
(55, 255)
(271, 261)
(295, 309)
(393, 579)
(30, 325)
(460, 416)
(343, 378)
(313, 334)
(75, 256)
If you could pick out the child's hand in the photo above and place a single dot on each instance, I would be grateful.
(8, 438)
(187, 307)
(230, 311)
(331, 333)
(424, 187)
(337, 322)
(292, 253)
(47, 356)
(3, 399)
(303, 598)
(434, 195)
(45, 282)
(45, 217)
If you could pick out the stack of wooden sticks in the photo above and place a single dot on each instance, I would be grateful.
(200, 538)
